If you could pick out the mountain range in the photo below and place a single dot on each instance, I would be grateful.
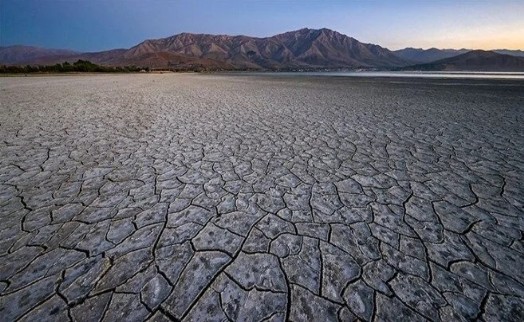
(14, 55)
(300, 49)
(475, 60)
(422, 56)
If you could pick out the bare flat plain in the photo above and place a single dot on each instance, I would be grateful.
(240, 197)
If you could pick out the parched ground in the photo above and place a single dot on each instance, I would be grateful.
(220, 197)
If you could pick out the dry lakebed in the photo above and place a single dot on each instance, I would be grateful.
(240, 197)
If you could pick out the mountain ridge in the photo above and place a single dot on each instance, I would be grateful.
(303, 48)
(422, 56)
(475, 60)
(299, 49)
(17, 54)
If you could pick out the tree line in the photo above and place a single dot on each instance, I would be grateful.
(78, 66)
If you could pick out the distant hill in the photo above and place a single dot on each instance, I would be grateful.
(419, 55)
(517, 53)
(27, 54)
(304, 48)
(476, 60)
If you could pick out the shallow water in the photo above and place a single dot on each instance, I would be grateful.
(454, 75)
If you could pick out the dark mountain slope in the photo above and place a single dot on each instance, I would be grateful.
(476, 60)
(422, 56)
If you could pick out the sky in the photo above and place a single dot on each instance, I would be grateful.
(94, 25)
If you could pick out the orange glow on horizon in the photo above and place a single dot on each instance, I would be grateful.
(487, 38)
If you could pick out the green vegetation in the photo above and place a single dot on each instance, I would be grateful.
(78, 66)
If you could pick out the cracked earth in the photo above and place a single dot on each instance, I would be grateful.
(250, 198)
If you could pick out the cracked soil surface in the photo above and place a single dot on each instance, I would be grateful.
(249, 198)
